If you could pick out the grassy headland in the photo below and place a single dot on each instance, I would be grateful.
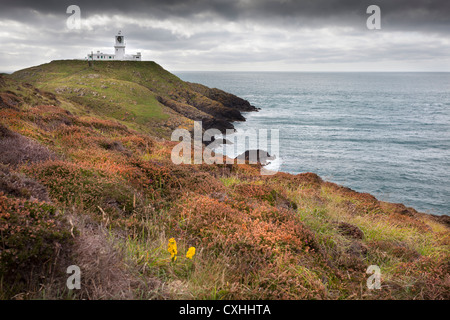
(86, 179)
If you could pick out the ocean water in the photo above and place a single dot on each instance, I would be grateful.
(387, 134)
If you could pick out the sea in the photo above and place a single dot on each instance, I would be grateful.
(387, 134)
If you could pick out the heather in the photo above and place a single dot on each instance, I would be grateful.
(90, 189)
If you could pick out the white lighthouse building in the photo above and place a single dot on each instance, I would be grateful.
(119, 53)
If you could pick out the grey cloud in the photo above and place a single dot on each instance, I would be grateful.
(397, 14)
(244, 32)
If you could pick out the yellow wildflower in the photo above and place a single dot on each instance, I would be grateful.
(172, 248)
(190, 253)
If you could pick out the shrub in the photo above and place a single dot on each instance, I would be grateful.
(138, 143)
(163, 179)
(73, 184)
(9, 100)
(252, 239)
(109, 126)
(265, 193)
(49, 117)
(17, 149)
(431, 277)
(31, 236)
(284, 279)
(301, 180)
(18, 185)
(363, 203)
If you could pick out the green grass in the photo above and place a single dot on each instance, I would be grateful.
(230, 181)
(121, 90)
(126, 91)
(104, 90)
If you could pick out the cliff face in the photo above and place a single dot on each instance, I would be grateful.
(83, 183)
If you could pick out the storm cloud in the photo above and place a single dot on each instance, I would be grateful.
(313, 35)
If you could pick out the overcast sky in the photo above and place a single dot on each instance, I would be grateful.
(234, 35)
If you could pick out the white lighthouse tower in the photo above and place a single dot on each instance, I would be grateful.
(120, 46)
(119, 53)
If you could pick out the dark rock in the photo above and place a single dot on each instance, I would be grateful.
(219, 124)
(212, 116)
(227, 99)
(218, 141)
(260, 155)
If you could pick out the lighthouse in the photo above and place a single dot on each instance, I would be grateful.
(120, 46)
(119, 52)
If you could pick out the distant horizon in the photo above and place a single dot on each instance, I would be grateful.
(262, 71)
(276, 71)
(303, 71)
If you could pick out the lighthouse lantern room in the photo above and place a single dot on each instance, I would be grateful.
(119, 53)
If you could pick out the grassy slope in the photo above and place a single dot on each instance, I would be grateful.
(126, 93)
(116, 199)
(141, 95)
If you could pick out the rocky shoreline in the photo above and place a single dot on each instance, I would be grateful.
(225, 108)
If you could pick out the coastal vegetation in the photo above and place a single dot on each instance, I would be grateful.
(86, 179)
